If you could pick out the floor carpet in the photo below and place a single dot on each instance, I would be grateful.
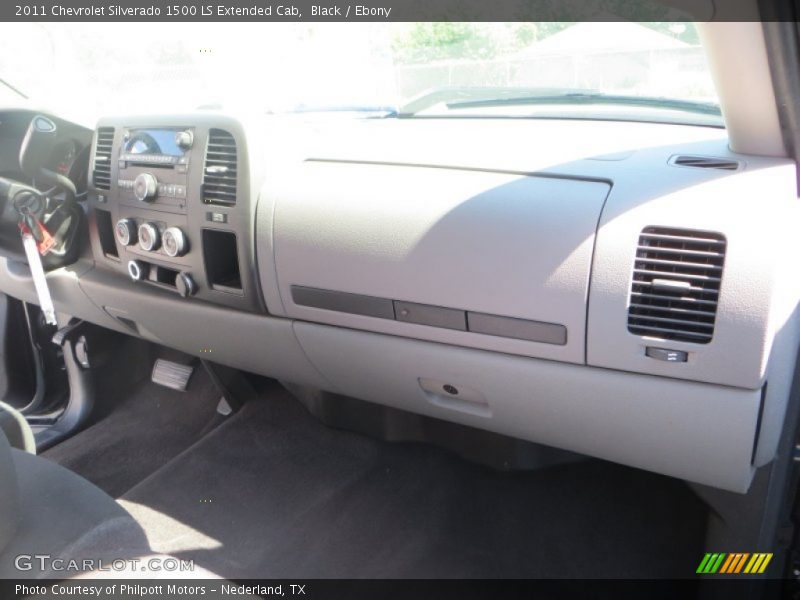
(139, 432)
(274, 493)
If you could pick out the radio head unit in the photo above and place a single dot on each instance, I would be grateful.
(160, 147)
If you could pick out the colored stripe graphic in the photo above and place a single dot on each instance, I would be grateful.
(734, 563)
(729, 562)
(703, 564)
(737, 568)
(711, 563)
(763, 566)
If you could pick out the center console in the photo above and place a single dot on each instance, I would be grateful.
(171, 206)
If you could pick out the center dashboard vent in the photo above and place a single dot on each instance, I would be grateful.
(219, 172)
(705, 162)
(676, 284)
(101, 174)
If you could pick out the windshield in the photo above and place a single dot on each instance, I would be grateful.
(94, 69)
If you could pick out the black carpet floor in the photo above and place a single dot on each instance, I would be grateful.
(273, 493)
(139, 432)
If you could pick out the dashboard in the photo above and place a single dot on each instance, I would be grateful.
(622, 290)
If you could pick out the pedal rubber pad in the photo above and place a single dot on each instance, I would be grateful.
(171, 374)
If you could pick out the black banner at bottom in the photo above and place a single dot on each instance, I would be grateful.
(406, 589)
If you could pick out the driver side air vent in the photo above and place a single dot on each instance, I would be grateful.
(219, 172)
(706, 162)
(676, 283)
(101, 174)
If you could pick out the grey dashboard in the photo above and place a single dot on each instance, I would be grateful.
(624, 290)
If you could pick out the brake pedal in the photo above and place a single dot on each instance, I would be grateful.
(172, 375)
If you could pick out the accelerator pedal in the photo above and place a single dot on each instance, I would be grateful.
(172, 375)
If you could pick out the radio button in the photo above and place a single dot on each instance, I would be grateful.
(180, 191)
(145, 187)
(149, 238)
(184, 139)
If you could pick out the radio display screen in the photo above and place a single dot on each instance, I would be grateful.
(154, 142)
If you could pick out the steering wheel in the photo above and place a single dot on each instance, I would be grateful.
(23, 203)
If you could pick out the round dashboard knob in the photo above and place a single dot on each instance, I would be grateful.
(145, 187)
(149, 238)
(125, 231)
(185, 284)
(184, 139)
(137, 270)
(174, 242)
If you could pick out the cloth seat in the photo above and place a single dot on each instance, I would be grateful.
(47, 510)
(16, 428)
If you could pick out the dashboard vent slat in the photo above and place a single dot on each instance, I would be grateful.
(101, 174)
(676, 283)
(219, 172)
(706, 162)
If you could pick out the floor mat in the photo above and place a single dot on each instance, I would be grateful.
(147, 428)
(274, 493)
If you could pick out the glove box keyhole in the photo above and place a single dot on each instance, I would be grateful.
(453, 396)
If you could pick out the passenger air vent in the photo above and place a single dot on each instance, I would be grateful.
(706, 162)
(676, 282)
(101, 175)
(219, 173)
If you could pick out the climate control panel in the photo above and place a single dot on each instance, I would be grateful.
(152, 236)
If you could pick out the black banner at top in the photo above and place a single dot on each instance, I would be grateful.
(394, 10)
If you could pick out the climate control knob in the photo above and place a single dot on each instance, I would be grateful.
(125, 231)
(149, 238)
(174, 242)
(145, 187)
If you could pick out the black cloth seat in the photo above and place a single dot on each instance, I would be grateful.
(48, 510)
(16, 428)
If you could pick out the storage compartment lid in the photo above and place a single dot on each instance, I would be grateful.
(497, 247)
